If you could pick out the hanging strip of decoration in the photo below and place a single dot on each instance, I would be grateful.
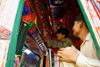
(33, 31)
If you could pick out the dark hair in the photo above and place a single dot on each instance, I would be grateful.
(80, 17)
(63, 31)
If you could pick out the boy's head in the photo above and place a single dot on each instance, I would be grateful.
(62, 33)
(79, 25)
(80, 17)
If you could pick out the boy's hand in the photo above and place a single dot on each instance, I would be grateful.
(68, 54)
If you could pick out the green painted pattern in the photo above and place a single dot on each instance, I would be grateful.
(38, 65)
(14, 36)
(90, 29)
(50, 59)
(21, 58)
(22, 34)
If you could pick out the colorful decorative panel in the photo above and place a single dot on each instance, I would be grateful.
(4, 45)
(93, 18)
(25, 10)
(8, 16)
(6, 26)
(93, 22)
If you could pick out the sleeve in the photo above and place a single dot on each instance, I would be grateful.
(53, 43)
(83, 61)
(69, 42)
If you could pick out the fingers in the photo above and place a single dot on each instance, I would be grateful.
(59, 53)
(61, 49)
(60, 56)
(61, 59)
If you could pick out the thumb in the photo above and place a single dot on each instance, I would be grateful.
(73, 47)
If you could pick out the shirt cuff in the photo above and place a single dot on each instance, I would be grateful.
(81, 60)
